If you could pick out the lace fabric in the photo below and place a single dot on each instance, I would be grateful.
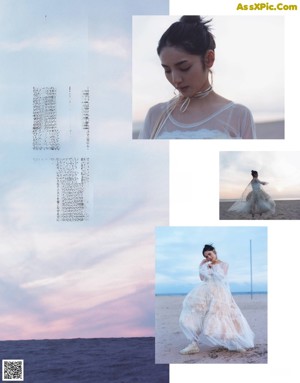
(211, 316)
(231, 121)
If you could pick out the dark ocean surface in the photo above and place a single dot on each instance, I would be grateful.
(104, 360)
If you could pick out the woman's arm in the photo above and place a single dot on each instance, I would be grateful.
(248, 129)
(262, 182)
(145, 132)
(221, 271)
(150, 121)
(203, 272)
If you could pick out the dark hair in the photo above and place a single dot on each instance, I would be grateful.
(254, 173)
(190, 33)
(208, 248)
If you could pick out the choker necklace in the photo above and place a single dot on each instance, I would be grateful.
(187, 100)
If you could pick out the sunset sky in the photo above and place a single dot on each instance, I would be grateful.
(72, 279)
(279, 168)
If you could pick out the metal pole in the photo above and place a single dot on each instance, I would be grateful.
(251, 282)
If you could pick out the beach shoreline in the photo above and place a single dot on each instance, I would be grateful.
(285, 210)
(169, 339)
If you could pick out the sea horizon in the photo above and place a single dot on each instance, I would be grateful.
(233, 293)
(77, 338)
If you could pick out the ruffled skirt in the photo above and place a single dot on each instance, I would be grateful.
(210, 315)
(256, 202)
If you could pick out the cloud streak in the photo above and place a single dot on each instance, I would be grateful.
(118, 47)
(73, 279)
(43, 43)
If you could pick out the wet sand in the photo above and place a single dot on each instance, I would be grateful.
(169, 339)
(284, 210)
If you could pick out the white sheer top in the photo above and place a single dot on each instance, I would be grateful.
(231, 121)
(256, 184)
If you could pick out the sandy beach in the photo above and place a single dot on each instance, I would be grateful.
(169, 339)
(288, 209)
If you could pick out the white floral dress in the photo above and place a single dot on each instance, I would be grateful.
(210, 315)
(256, 201)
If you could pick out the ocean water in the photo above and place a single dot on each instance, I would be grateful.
(103, 360)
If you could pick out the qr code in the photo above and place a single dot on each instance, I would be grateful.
(12, 370)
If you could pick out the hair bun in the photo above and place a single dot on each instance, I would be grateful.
(191, 19)
(208, 247)
(191, 34)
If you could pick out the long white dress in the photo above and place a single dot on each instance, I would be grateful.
(257, 201)
(211, 316)
(231, 121)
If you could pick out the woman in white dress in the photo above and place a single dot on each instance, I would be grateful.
(209, 313)
(256, 201)
(187, 54)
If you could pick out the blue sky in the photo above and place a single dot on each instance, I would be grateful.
(179, 253)
(60, 279)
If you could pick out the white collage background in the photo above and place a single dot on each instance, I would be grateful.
(185, 160)
(39, 257)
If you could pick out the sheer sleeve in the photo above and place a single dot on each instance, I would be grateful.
(262, 182)
(248, 129)
(204, 272)
(150, 121)
(220, 271)
(147, 127)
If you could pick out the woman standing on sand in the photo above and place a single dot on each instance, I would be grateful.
(187, 54)
(255, 201)
(210, 314)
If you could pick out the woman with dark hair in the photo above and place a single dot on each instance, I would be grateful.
(209, 313)
(256, 201)
(187, 54)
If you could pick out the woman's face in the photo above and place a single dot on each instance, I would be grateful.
(186, 72)
(211, 256)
